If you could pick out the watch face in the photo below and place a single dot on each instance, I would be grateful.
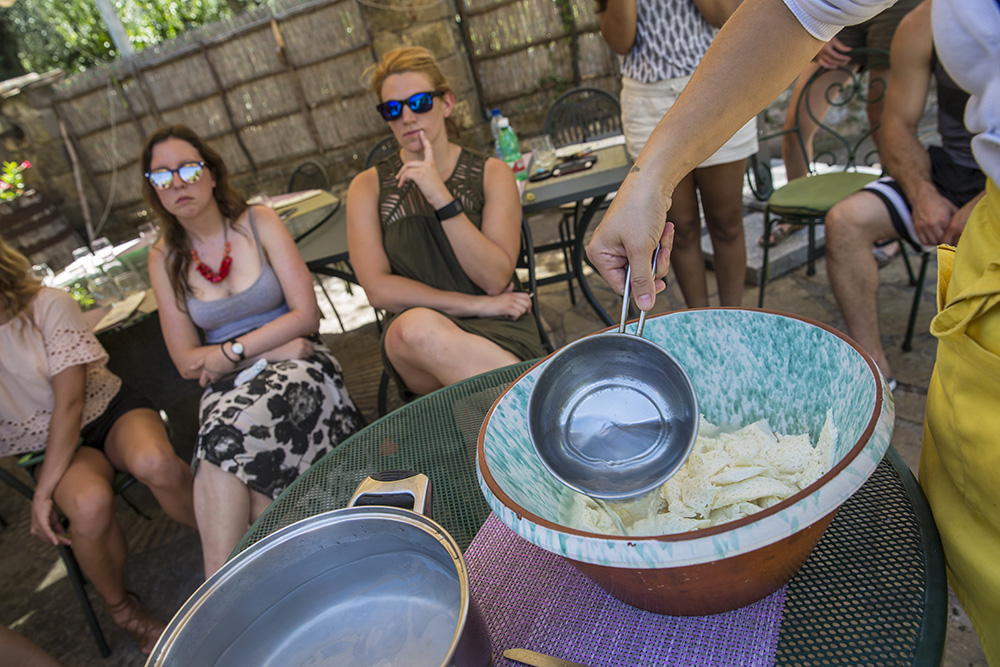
(238, 348)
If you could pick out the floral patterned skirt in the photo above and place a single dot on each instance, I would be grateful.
(269, 430)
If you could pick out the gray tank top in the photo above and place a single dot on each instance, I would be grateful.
(224, 319)
(955, 137)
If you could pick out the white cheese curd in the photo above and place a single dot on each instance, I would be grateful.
(729, 475)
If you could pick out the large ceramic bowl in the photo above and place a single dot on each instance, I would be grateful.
(745, 365)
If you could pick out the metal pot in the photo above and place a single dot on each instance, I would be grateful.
(365, 585)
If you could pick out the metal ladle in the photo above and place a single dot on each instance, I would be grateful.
(613, 415)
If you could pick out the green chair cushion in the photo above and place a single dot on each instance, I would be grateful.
(815, 195)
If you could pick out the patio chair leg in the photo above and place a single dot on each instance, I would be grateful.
(76, 579)
(764, 265)
(322, 288)
(917, 296)
(811, 268)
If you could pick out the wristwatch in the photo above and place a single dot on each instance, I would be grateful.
(449, 210)
(238, 349)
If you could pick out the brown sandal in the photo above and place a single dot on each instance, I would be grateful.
(131, 617)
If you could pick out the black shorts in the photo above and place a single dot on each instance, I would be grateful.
(96, 432)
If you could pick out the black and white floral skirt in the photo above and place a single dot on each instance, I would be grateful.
(269, 430)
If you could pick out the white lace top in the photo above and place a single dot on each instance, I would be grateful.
(49, 336)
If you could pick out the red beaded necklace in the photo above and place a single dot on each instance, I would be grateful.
(227, 261)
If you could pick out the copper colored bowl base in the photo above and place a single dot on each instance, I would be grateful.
(710, 588)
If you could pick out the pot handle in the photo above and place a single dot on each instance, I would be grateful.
(395, 488)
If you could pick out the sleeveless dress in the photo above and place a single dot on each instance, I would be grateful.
(268, 431)
(418, 248)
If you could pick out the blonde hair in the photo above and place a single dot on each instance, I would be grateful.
(18, 286)
(411, 59)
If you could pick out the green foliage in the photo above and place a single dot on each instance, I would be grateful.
(12, 180)
(70, 34)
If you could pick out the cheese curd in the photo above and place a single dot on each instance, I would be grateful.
(729, 475)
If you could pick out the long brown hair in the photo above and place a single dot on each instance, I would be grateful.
(231, 202)
(412, 59)
(17, 284)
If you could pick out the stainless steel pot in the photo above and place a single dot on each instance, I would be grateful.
(365, 585)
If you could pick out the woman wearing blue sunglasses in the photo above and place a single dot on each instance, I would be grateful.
(434, 233)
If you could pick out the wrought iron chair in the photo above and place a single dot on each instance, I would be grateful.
(382, 149)
(806, 200)
(310, 175)
(525, 263)
(578, 116)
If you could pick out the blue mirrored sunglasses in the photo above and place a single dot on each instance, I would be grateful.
(419, 103)
(189, 172)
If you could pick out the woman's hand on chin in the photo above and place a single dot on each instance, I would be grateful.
(425, 174)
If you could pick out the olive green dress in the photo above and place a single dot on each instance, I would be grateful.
(418, 248)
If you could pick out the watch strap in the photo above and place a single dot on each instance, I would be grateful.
(449, 210)
(222, 345)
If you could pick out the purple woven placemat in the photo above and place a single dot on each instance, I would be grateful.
(536, 600)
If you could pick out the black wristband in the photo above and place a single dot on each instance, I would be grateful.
(450, 210)
(226, 354)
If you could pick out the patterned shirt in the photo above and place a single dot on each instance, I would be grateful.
(671, 36)
(46, 338)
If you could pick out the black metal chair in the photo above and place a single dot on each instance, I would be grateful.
(577, 116)
(525, 263)
(310, 175)
(806, 200)
(381, 150)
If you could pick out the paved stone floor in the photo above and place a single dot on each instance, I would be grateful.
(165, 563)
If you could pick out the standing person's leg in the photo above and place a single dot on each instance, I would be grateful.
(852, 226)
(138, 443)
(222, 506)
(721, 189)
(686, 259)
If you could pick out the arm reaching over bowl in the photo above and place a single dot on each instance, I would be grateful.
(756, 54)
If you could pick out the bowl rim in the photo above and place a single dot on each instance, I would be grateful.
(487, 477)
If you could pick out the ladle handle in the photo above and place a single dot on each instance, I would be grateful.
(625, 296)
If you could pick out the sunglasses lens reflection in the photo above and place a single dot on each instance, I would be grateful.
(418, 103)
(189, 173)
(161, 178)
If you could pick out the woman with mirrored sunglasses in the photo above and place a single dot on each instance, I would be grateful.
(434, 233)
(233, 290)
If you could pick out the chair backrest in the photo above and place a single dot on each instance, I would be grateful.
(383, 149)
(526, 261)
(583, 114)
(309, 175)
(843, 139)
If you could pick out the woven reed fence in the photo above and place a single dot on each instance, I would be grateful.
(274, 87)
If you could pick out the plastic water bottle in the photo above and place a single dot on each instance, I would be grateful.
(510, 150)
(495, 117)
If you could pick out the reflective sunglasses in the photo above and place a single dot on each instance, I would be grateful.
(419, 103)
(189, 172)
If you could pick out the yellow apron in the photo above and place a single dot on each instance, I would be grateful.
(960, 456)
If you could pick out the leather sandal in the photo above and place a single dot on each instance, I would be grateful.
(779, 233)
(131, 617)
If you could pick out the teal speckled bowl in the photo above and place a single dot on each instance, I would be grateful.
(745, 365)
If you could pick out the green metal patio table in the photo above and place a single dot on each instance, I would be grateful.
(873, 592)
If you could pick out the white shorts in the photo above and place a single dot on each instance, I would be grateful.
(645, 104)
